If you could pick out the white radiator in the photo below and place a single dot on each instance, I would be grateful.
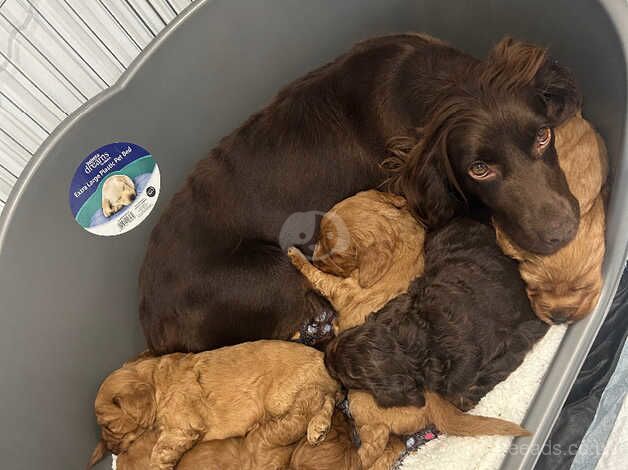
(55, 55)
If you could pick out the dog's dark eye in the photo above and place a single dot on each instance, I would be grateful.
(543, 137)
(480, 170)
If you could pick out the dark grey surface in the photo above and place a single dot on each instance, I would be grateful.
(69, 298)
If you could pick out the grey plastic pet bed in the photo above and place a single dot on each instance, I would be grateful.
(68, 298)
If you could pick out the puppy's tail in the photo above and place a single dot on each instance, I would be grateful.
(450, 420)
(98, 454)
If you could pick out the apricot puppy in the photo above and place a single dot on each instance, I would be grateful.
(565, 286)
(278, 390)
(370, 249)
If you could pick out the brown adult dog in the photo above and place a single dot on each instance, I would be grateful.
(235, 453)
(215, 271)
(565, 286)
(277, 389)
(359, 232)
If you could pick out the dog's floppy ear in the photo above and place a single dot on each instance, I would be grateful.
(376, 258)
(107, 210)
(128, 183)
(558, 89)
(98, 454)
(424, 181)
(514, 64)
(137, 400)
(394, 200)
(335, 253)
(125, 402)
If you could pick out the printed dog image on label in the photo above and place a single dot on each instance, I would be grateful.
(114, 189)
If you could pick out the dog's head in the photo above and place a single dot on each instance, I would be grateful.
(490, 137)
(125, 407)
(118, 191)
(565, 286)
(359, 234)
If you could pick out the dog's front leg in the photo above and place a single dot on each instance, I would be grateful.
(325, 283)
(171, 446)
(374, 439)
(319, 425)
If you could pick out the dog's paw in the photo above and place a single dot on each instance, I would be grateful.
(297, 258)
(317, 430)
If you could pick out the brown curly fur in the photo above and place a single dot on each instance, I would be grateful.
(278, 390)
(565, 286)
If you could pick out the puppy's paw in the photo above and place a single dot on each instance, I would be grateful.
(317, 430)
(297, 258)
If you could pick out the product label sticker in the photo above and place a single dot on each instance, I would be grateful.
(114, 189)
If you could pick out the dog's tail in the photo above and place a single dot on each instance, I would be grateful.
(450, 420)
(98, 454)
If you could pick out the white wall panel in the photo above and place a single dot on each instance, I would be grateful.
(55, 55)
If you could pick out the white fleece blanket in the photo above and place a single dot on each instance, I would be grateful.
(508, 400)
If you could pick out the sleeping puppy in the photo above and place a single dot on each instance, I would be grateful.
(235, 453)
(565, 286)
(118, 191)
(459, 330)
(371, 248)
(358, 233)
(279, 390)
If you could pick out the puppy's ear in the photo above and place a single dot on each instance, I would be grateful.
(375, 259)
(98, 454)
(394, 199)
(137, 401)
(557, 88)
(107, 210)
(335, 252)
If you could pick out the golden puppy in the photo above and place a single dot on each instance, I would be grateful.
(379, 261)
(565, 286)
(276, 389)
(118, 191)
(383, 254)
(235, 453)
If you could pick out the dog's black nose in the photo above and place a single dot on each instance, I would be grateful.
(559, 232)
(559, 317)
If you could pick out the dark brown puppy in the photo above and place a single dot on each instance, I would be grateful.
(459, 330)
(216, 273)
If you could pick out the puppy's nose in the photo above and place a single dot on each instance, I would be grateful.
(562, 315)
(133, 197)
